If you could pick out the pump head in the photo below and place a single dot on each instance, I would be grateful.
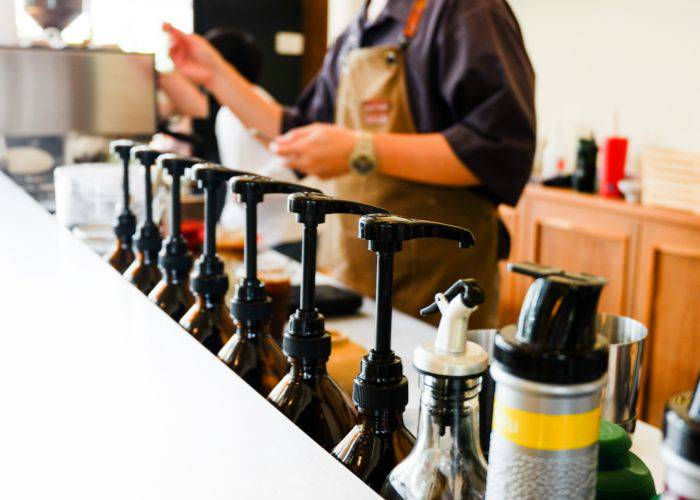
(122, 148)
(306, 336)
(145, 155)
(682, 425)
(381, 384)
(556, 341)
(450, 354)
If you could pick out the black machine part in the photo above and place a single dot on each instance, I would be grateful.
(555, 341)
(306, 336)
(381, 384)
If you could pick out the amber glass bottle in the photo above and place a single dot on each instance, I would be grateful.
(172, 294)
(252, 352)
(307, 395)
(380, 440)
(208, 320)
(144, 273)
(121, 257)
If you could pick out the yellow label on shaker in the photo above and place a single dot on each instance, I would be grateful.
(539, 431)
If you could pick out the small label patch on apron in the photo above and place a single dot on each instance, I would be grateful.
(375, 112)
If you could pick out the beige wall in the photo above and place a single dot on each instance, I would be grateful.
(639, 58)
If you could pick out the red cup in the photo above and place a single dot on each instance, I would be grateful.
(613, 167)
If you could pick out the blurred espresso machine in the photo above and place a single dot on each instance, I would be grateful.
(62, 104)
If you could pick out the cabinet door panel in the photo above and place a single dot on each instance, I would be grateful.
(581, 239)
(669, 303)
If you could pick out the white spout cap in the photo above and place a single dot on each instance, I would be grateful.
(450, 354)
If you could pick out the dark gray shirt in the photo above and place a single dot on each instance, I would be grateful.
(468, 77)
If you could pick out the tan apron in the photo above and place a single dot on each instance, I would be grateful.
(372, 96)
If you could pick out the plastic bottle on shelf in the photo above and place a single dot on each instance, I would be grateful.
(549, 375)
(446, 461)
(380, 441)
(122, 255)
(251, 352)
(144, 273)
(307, 395)
(554, 155)
(172, 294)
(209, 320)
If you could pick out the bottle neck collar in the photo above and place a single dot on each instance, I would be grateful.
(380, 421)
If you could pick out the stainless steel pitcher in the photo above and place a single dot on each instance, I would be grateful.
(627, 338)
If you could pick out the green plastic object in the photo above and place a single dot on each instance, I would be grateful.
(621, 474)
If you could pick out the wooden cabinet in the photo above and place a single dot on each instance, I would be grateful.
(651, 258)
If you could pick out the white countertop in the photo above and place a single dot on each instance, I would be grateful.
(104, 396)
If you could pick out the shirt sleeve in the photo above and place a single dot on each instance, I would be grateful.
(488, 83)
(317, 101)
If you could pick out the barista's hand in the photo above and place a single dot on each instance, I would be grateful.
(320, 149)
(194, 57)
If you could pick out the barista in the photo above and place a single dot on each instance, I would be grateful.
(425, 108)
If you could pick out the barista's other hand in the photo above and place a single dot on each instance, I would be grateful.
(194, 56)
(319, 149)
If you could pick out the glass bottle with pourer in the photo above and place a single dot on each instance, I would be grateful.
(307, 395)
(252, 353)
(447, 461)
(380, 440)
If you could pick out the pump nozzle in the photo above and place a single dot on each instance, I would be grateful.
(451, 355)
(126, 222)
(388, 232)
(149, 239)
(307, 323)
(470, 291)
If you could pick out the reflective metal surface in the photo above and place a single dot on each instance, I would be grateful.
(627, 338)
(46, 92)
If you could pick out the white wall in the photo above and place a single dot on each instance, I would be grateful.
(340, 12)
(639, 58)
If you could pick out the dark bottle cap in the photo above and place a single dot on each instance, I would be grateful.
(209, 277)
(250, 301)
(306, 336)
(682, 425)
(381, 383)
(555, 341)
(469, 289)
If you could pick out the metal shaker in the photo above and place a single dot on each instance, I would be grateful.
(549, 374)
(627, 338)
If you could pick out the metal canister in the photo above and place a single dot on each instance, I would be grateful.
(549, 374)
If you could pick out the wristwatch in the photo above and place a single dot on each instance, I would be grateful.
(363, 159)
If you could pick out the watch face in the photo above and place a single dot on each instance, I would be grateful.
(363, 164)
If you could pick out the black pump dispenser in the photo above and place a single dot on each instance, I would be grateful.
(123, 254)
(307, 395)
(380, 392)
(555, 341)
(173, 293)
(144, 273)
(252, 353)
(208, 320)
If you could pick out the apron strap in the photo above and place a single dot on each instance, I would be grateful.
(414, 17)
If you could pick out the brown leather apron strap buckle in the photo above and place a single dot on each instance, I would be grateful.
(414, 17)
